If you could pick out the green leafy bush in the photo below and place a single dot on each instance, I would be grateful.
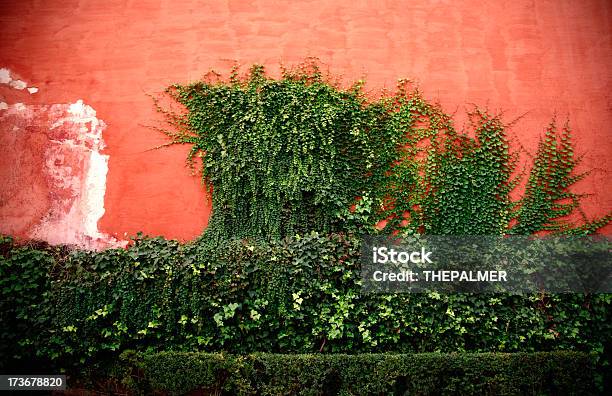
(553, 373)
(24, 280)
(296, 295)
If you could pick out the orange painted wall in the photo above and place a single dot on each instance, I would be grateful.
(531, 57)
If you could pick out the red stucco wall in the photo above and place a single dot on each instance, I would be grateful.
(531, 57)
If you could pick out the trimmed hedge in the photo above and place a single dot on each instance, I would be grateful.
(74, 309)
(554, 373)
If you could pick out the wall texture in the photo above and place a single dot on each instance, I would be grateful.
(75, 74)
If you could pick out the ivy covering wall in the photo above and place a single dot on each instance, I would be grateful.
(290, 155)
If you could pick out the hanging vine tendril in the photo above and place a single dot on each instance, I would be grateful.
(291, 155)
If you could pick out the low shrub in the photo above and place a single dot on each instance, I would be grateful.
(554, 373)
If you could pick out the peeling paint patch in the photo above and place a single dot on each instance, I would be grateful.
(6, 78)
(95, 188)
(18, 84)
(3, 106)
(58, 147)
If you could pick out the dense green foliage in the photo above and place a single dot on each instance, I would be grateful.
(24, 279)
(552, 373)
(283, 156)
(278, 268)
(298, 295)
(291, 155)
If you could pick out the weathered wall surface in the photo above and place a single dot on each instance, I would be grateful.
(54, 176)
(521, 56)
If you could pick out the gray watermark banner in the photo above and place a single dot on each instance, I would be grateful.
(15, 382)
(486, 264)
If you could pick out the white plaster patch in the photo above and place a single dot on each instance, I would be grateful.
(76, 172)
(5, 76)
(95, 188)
(89, 126)
(18, 84)
(3, 106)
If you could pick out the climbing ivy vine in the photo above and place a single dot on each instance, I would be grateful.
(548, 197)
(300, 153)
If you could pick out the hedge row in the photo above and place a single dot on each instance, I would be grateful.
(77, 309)
(553, 373)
